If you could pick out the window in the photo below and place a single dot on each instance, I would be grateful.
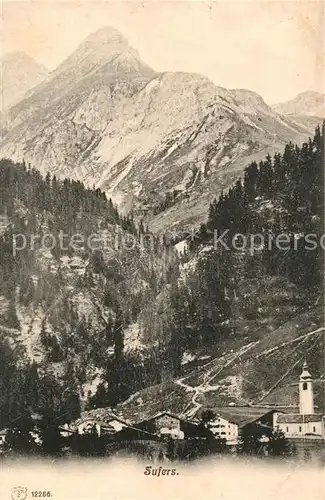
(299, 428)
(314, 429)
(304, 386)
(287, 429)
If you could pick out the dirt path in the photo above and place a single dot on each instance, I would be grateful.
(197, 391)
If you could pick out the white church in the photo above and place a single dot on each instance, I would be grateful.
(306, 422)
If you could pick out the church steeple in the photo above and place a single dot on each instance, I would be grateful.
(306, 393)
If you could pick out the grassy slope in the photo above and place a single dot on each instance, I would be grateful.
(263, 371)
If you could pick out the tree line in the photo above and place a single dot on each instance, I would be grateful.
(174, 310)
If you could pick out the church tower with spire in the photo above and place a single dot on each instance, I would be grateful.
(306, 422)
(306, 393)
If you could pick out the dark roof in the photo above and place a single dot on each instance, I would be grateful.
(194, 430)
(135, 432)
(297, 418)
(101, 416)
(69, 431)
(154, 417)
(287, 409)
(242, 415)
(161, 414)
(189, 428)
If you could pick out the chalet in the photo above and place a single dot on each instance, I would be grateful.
(230, 420)
(133, 440)
(135, 433)
(77, 263)
(117, 424)
(166, 424)
(65, 431)
(3, 436)
(305, 422)
(101, 425)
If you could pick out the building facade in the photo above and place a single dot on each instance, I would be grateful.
(229, 422)
(3, 436)
(172, 426)
(224, 429)
(109, 426)
(166, 424)
(306, 422)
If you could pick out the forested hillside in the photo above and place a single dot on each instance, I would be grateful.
(101, 324)
(64, 307)
(260, 299)
(245, 317)
(222, 282)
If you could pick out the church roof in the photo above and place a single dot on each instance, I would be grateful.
(297, 418)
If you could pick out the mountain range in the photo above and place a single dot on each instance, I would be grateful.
(149, 329)
(160, 145)
(19, 74)
(307, 103)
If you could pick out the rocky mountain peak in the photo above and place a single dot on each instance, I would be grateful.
(106, 35)
(105, 48)
(12, 57)
(308, 93)
(18, 57)
(308, 103)
(105, 117)
(19, 73)
(249, 100)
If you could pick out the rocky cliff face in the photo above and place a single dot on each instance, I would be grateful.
(19, 74)
(57, 125)
(161, 145)
(306, 103)
(183, 138)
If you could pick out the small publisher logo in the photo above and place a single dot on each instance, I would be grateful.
(18, 493)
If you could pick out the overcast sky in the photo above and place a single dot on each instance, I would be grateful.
(275, 48)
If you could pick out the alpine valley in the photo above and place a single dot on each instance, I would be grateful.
(105, 145)
(161, 145)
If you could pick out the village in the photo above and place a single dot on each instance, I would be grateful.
(298, 430)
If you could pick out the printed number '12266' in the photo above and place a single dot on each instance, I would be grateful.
(41, 494)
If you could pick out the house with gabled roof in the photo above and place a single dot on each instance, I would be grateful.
(102, 423)
(3, 436)
(228, 421)
(166, 424)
